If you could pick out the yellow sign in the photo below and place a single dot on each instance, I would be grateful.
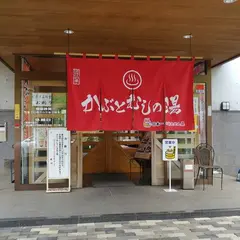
(17, 111)
(170, 153)
(195, 123)
(170, 149)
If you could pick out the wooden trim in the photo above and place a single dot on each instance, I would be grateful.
(128, 142)
(17, 129)
(41, 76)
(49, 83)
(6, 64)
(108, 146)
(93, 134)
(127, 134)
(209, 118)
(31, 187)
(127, 56)
(209, 103)
(79, 161)
(90, 143)
(225, 61)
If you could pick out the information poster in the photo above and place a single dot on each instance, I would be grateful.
(40, 138)
(58, 153)
(170, 149)
(41, 99)
(17, 112)
(26, 109)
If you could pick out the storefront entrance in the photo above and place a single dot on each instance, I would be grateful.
(106, 158)
(41, 104)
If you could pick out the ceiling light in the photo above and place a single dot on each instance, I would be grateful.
(68, 31)
(229, 1)
(187, 36)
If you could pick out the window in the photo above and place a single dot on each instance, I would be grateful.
(43, 107)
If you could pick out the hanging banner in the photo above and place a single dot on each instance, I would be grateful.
(114, 94)
(41, 99)
(58, 164)
(83, 94)
(178, 93)
(132, 94)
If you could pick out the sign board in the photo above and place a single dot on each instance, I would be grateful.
(17, 112)
(40, 137)
(58, 166)
(145, 147)
(188, 167)
(170, 153)
(195, 106)
(41, 99)
(3, 132)
(170, 149)
(209, 111)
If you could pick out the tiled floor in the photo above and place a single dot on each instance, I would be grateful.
(189, 229)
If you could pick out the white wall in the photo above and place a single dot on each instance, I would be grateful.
(226, 85)
(6, 88)
(6, 112)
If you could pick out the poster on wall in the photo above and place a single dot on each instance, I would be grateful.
(58, 165)
(41, 99)
(196, 114)
(200, 93)
(25, 114)
(170, 149)
(40, 137)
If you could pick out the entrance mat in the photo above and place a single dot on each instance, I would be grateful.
(21, 222)
(111, 180)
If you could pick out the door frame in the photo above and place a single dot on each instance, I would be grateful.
(79, 160)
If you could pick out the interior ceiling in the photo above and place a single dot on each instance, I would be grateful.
(140, 27)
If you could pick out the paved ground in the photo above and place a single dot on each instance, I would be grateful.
(136, 199)
(189, 229)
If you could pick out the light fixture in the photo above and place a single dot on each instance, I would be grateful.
(68, 31)
(229, 1)
(188, 36)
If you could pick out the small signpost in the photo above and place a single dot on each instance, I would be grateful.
(58, 160)
(170, 153)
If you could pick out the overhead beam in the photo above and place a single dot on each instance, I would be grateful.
(129, 56)
(6, 64)
(227, 60)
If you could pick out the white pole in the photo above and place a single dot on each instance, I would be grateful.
(170, 175)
